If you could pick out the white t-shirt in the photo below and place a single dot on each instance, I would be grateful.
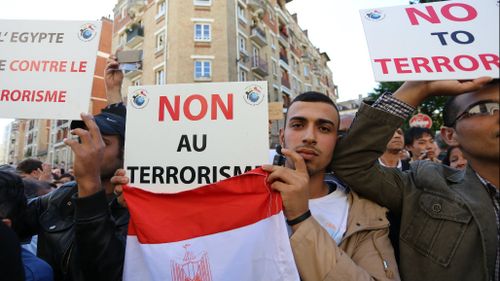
(331, 212)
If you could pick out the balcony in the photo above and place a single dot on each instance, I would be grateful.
(259, 36)
(285, 81)
(135, 35)
(255, 4)
(260, 66)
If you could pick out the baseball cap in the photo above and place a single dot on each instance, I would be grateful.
(109, 124)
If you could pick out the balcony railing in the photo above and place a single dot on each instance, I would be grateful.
(255, 4)
(135, 35)
(285, 81)
(260, 66)
(259, 36)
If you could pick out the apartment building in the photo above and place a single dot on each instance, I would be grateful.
(15, 141)
(189, 41)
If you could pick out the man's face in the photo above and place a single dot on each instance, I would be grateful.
(112, 158)
(421, 145)
(478, 135)
(311, 131)
(397, 143)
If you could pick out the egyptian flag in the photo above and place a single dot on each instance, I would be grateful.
(230, 230)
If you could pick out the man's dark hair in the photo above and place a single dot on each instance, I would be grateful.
(314, 97)
(29, 165)
(12, 199)
(451, 109)
(414, 133)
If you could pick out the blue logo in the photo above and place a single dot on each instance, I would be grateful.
(375, 15)
(253, 95)
(140, 99)
(87, 32)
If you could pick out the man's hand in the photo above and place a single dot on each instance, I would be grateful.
(415, 92)
(88, 156)
(119, 180)
(113, 78)
(292, 184)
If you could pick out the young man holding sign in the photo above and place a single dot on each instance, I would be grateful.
(449, 218)
(336, 235)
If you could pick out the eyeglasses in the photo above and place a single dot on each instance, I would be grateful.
(480, 108)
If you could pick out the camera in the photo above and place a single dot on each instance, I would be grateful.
(130, 60)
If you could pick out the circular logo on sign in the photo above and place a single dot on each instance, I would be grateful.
(87, 32)
(375, 15)
(421, 120)
(140, 99)
(253, 95)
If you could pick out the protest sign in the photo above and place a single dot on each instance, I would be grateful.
(183, 136)
(421, 120)
(47, 68)
(434, 41)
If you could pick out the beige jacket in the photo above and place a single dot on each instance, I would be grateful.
(365, 252)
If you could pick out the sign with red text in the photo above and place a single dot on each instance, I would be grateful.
(183, 136)
(434, 41)
(47, 68)
(421, 120)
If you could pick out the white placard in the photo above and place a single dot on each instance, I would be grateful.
(47, 68)
(183, 136)
(434, 41)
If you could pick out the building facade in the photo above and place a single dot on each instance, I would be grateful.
(189, 41)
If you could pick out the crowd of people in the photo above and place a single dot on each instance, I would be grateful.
(363, 201)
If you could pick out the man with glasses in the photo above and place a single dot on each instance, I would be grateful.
(449, 218)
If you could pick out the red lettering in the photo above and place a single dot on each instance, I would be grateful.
(62, 96)
(26, 95)
(471, 12)
(53, 66)
(431, 15)
(5, 95)
(489, 59)
(419, 62)
(440, 61)
(226, 110)
(83, 66)
(383, 64)
(172, 111)
(50, 97)
(13, 97)
(203, 109)
(399, 63)
(474, 64)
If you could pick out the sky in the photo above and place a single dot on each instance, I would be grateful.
(333, 25)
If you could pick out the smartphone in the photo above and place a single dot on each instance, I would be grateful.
(279, 159)
(130, 60)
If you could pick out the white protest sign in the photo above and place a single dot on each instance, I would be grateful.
(182, 136)
(434, 41)
(47, 68)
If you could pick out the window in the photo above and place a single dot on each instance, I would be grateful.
(202, 32)
(160, 41)
(136, 82)
(255, 56)
(160, 77)
(122, 39)
(161, 8)
(202, 70)
(275, 69)
(242, 75)
(202, 2)
(306, 71)
(242, 44)
(241, 14)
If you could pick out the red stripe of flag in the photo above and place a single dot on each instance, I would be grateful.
(229, 204)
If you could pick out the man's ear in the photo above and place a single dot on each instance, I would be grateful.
(282, 137)
(449, 135)
(7, 222)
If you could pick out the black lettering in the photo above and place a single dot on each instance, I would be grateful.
(143, 174)
(223, 172)
(184, 142)
(203, 172)
(183, 175)
(158, 172)
(203, 144)
(172, 173)
(132, 170)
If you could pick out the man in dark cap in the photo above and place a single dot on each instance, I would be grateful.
(81, 226)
